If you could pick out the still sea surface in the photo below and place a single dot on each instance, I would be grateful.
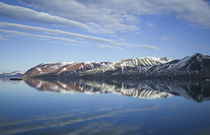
(81, 107)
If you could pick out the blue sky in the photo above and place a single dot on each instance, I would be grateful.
(34, 32)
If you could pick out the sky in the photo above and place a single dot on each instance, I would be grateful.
(42, 31)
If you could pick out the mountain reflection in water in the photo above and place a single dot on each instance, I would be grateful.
(147, 89)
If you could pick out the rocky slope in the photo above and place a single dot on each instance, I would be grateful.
(62, 68)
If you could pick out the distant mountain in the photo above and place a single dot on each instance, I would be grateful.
(12, 74)
(196, 66)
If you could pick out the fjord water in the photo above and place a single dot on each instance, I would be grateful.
(104, 107)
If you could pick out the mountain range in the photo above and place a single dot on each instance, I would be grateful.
(196, 66)
(12, 74)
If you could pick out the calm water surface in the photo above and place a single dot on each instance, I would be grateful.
(37, 107)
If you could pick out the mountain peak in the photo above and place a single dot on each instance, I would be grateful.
(164, 59)
(197, 54)
(199, 57)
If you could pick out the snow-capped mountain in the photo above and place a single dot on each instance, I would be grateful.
(146, 89)
(12, 74)
(196, 66)
(69, 68)
(129, 65)
(62, 68)
(195, 63)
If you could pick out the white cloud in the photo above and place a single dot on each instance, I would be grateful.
(109, 46)
(2, 38)
(150, 25)
(111, 42)
(36, 35)
(206, 48)
(18, 12)
(109, 16)
(165, 38)
(172, 49)
(53, 31)
(151, 47)
(116, 15)
(100, 19)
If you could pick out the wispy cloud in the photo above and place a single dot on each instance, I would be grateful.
(146, 46)
(165, 38)
(64, 120)
(53, 31)
(115, 15)
(36, 35)
(98, 127)
(111, 43)
(150, 25)
(18, 12)
(207, 48)
(99, 16)
(172, 49)
(108, 16)
(2, 38)
(153, 47)
(109, 46)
